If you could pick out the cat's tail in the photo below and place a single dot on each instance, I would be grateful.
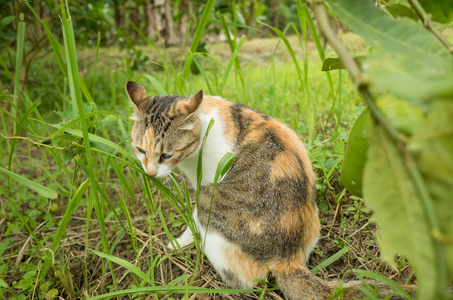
(303, 285)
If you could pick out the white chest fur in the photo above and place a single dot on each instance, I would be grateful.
(215, 147)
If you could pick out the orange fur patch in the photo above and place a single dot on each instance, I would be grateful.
(244, 266)
(291, 220)
(148, 145)
(255, 226)
(287, 265)
(292, 142)
(255, 135)
(148, 139)
(251, 114)
(224, 110)
(312, 225)
(288, 137)
(284, 165)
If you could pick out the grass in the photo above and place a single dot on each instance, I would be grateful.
(107, 228)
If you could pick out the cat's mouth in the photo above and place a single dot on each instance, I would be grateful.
(161, 175)
(162, 171)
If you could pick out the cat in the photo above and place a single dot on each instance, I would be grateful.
(264, 215)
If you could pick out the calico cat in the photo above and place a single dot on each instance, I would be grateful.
(264, 215)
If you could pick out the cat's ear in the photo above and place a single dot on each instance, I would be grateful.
(190, 106)
(136, 93)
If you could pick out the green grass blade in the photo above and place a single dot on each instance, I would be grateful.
(398, 289)
(40, 189)
(291, 52)
(224, 165)
(230, 63)
(124, 263)
(70, 209)
(152, 44)
(156, 84)
(198, 34)
(200, 161)
(20, 42)
(162, 290)
(76, 97)
(98, 139)
(73, 204)
(232, 44)
(19, 58)
(5, 68)
(56, 47)
(329, 260)
(195, 60)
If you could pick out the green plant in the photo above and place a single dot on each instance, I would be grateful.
(407, 173)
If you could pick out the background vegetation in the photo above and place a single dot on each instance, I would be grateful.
(80, 219)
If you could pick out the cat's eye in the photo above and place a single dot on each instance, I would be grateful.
(141, 150)
(164, 156)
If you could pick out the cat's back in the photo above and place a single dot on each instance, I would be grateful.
(267, 196)
(264, 147)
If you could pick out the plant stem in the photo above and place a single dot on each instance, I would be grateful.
(346, 59)
(426, 19)
(353, 69)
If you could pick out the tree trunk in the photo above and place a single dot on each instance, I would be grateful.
(149, 22)
(119, 14)
(159, 21)
(251, 18)
(187, 7)
(273, 12)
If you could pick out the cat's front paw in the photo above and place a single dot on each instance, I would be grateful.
(184, 240)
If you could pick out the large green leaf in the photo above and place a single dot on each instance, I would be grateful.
(408, 60)
(398, 213)
(434, 145)
(40, 189)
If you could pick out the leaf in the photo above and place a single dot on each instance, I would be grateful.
(336, 64)
(398, 213)
(325, 263)
(407, 60)
(433, 143)
(40, 189)
(224, 165)
(51, 294)
(129, 266)
(398, 290)
(3, 284)
(400, 114)
(5, 21)
(332, 64)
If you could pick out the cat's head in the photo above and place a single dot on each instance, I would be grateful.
(167, 129)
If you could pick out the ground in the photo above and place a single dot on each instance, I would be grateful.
(138, 221)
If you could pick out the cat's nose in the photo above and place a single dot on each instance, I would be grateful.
(151, 168)
(152, 173)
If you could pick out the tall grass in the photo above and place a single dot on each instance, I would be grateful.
(90, 165)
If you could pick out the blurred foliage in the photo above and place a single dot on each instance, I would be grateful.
(408, 175)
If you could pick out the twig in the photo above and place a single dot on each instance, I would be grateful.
(31, 141)
(426, 19)
(348, 62)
